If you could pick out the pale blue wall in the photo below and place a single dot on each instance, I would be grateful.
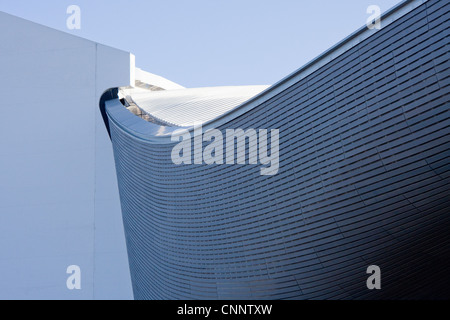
(59, 203)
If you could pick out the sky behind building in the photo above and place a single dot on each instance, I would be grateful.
(210, 43)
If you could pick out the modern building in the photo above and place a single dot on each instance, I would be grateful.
(363, 176)
(359, 147)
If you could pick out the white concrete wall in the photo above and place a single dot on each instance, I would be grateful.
(59, 203)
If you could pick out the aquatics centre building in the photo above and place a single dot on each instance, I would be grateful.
(289, 191)
(356, 151)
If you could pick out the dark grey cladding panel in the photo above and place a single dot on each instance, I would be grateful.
(364, 179)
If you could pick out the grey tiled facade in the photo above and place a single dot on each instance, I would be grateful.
(364, 179)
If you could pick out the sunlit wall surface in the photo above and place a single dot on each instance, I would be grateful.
(59, 202)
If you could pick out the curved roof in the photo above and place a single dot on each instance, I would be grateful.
(186, 107)
(174, 108)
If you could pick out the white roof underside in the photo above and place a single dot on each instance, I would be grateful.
(186, 107)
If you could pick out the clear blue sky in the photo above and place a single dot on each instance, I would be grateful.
(210, 42)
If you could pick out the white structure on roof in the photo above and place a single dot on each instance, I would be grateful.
(154, 82)
(185, 107)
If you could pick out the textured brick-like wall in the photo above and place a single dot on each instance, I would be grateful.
(364, 179)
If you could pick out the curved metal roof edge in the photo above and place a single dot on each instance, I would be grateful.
(340, 48)
(137, 127)
(335, 51)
